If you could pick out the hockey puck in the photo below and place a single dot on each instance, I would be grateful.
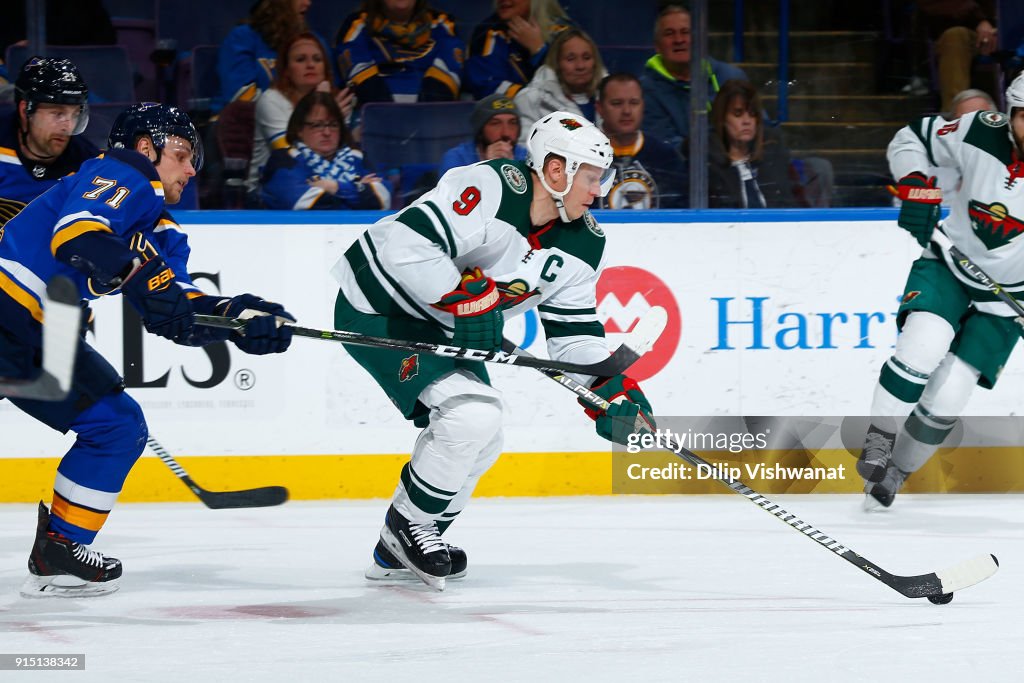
(943, 599)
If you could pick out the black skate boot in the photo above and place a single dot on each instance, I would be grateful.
(882, 494)
(874, 457)
(59, 567)
(417, 546)
(386, 567)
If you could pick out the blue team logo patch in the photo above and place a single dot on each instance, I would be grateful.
(514, 178)
(992, 118)
(591, 223)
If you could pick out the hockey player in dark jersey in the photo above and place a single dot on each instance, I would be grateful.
(106, 228)
(40, 140)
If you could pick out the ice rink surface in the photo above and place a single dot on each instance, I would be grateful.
(671, 588)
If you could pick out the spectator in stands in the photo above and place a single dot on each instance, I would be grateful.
(400, 51)
(245, 63)
(961, 30)
(319, 169)
(508, 47)
(496, 127)
(303, 66)
(748, 166)
(567, 81)
(40, 140)
(648, 173)
(966, 101)
(667, 76)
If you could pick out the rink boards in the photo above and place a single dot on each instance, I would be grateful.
(790, 315)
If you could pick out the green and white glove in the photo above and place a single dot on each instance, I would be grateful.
(630, 411)
(920, 210)
(476, 305)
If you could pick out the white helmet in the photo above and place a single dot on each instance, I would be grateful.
(1014, 99)
(578, 141)
(1015, 94)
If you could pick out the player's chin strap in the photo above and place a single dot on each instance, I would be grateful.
(558, 196)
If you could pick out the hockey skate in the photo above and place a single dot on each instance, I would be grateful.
(881, 495)
(59, 567)
(386, 567)
(874, 457)
(418, 547)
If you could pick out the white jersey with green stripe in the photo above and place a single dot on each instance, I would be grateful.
(987, 219)
(479, 216)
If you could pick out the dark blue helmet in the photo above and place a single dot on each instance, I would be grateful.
(157, 122)
(52, 81)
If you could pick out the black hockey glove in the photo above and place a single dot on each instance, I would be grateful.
(265, 331)
(152, 291)
(630, 411)
(920, 210)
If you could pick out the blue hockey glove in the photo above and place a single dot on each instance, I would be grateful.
(265, 331)
(153, 292)
(920, 210)
(476, 305)
(629, 412)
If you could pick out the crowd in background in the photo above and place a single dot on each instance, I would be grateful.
(296, 98)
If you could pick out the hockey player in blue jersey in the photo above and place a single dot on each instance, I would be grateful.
(40, 140)
(107, 229)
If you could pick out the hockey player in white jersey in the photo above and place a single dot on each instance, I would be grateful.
(491, 240)
(954, 333)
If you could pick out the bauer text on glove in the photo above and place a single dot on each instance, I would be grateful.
(920, 210)
(476, 305)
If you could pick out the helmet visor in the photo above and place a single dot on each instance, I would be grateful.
(607, 179)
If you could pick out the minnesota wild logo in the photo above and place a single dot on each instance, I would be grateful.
(571, 124)
(993, 224)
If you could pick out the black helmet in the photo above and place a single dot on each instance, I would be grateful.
(52, 81)
(157, 122)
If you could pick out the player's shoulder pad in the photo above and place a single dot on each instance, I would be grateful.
(583, 238)
(166, 222)
(991, 119)
(987, 131)
(135, 160)
(515, 175)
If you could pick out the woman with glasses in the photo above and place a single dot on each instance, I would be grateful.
(319, 169)
(303, 66)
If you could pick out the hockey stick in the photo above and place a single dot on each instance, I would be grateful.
(651, 325)
(265, 496)
(938, 587)
(62, 317)
(942, 240)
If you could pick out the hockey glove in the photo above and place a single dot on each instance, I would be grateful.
(919, 213)
(476, 305)
(265, 332)
(630, 411)
(152, 291)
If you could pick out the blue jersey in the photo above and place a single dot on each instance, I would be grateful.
(118, 194)
(245, 66)
(21, 178)
(286, 184)
(383, 69)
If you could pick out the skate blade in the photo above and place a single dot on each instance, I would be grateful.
(871, 504)
(375, 572)
(64, 586)
(392, 544)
